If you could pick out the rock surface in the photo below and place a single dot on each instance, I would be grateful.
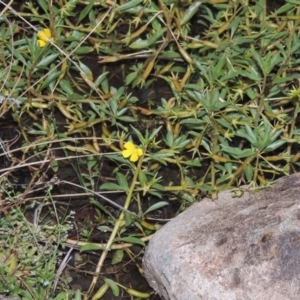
(232, 248)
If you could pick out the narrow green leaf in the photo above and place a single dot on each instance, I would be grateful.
(274, 145)
(60, 296)
(85, 11)
(86, 70)
(50, 78)
(128, 5)
(102, 77)
(234, 25)
(111, 187)
(249, 173)
(122, 180)
(132, 240)
(193, 163)
(43, 4)
(131, 77)
(285, 8)
(114, 287)
(77, 295)
(65, 85)
(88, 247)
(127, 119)
(158, 186)
(138, 133)
(117, 257)
(248, 133)
(250, 93)
(156, 206)
(54, 165)
(142, 44)
(237, 152)
(154, 133)
(275, 135)
(190, 12)
(104, 228)
(83, 50)
(47, 60)
(142, 178)
(188, 197)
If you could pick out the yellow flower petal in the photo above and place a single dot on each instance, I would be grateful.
(129, 145)
(41, 43)
(134, 157)
(140, 152)
(132, 151)
(126, 153)
(47, 33)
(44, 35)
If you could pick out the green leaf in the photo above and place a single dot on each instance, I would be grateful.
(111, 187)
(249, 173)
(101, 78)
(160, 156)
(142, 44)
(206, 145)
(193, 163)
(275, 134)
(122, 180)
(86, 70)
(131, 77)
(285, 8)
(142, 178)
(114, 287)
(77, 295)
(188, 197)
(234, 25)
(253, 75)
(83, 50)
(128, 5)
(248, 134)
(88, 247)
(128, 219)
(219, 68)
(54, 165)
(154, 133)
(117, 257)
(192, 121)
(138, 133)
(50, 78)
(190, 12)
(43, 4)
(131, 240)
(251, 94)
(66, 87)
(47, 60)
(104, 228)
(237, 152)
(156, 206)
(274, 145)
(127, 119)
(158, 186)
(85, 11)
(60, 296)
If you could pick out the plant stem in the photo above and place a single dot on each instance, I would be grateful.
(115, 230)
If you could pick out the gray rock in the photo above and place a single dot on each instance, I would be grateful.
(232, 248)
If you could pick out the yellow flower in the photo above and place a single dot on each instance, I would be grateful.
(43, 37)
(132, 151)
